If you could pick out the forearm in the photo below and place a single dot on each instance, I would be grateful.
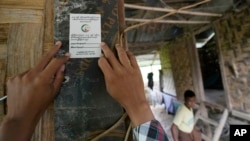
(174, 131)
(13, 130)
(139, 113)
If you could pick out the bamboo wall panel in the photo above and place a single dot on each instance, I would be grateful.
(4, 30)
(168, 85)
(8, 15)
(24, 47)
(234, 42)
(25, 33)
(168, 82)
(24, 4)
(181, 67)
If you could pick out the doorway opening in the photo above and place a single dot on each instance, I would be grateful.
(210, 67)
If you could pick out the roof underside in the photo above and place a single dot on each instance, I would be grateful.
(147, 39)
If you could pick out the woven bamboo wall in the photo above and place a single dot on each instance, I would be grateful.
(186, 67)
(167, 74)
(234, 41)
(181, 67)
(26, 31)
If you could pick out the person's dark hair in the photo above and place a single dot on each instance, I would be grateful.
(188, 94)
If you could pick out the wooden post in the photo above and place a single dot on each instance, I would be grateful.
(123, 40)
(222, 68)
(241, 115)
(196, 69)
(219, 128)
(197, 80)
(122, 24)
(45, 130)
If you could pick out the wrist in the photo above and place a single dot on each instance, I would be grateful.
(17, 129)
(140, 113)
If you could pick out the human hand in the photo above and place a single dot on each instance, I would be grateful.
(29, 95)
(124, 83)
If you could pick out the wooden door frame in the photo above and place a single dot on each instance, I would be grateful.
(222, 68)
(196, 69)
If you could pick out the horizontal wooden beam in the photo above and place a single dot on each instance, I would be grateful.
(241, 115)
(178, 1)
(201, 29)
(166, 15)
(167, 21)
(207, 120)
(214, 106)
(145, 50)
(172, 10)
(142, 52)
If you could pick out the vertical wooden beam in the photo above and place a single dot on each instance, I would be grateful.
(3, 63)
(4, 31)
(161, 86)
(122, 24)
(121, 28)
(49, 26)
(197, 79)
(196, 69)
(222, 68)
(45, 128)
(219, 129)
(204, 113)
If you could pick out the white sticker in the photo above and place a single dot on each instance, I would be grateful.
(85, 35)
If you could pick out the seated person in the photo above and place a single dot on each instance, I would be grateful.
(183, 128)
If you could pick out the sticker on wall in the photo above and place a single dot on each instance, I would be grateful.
(85, 35)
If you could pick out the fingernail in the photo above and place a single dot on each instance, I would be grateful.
(102, 44)
(58, 43)
(67, 54)
(117, 45)
(62, 68)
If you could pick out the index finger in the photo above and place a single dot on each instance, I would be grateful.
(54, 65)
(46, 59)
(114, 63)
